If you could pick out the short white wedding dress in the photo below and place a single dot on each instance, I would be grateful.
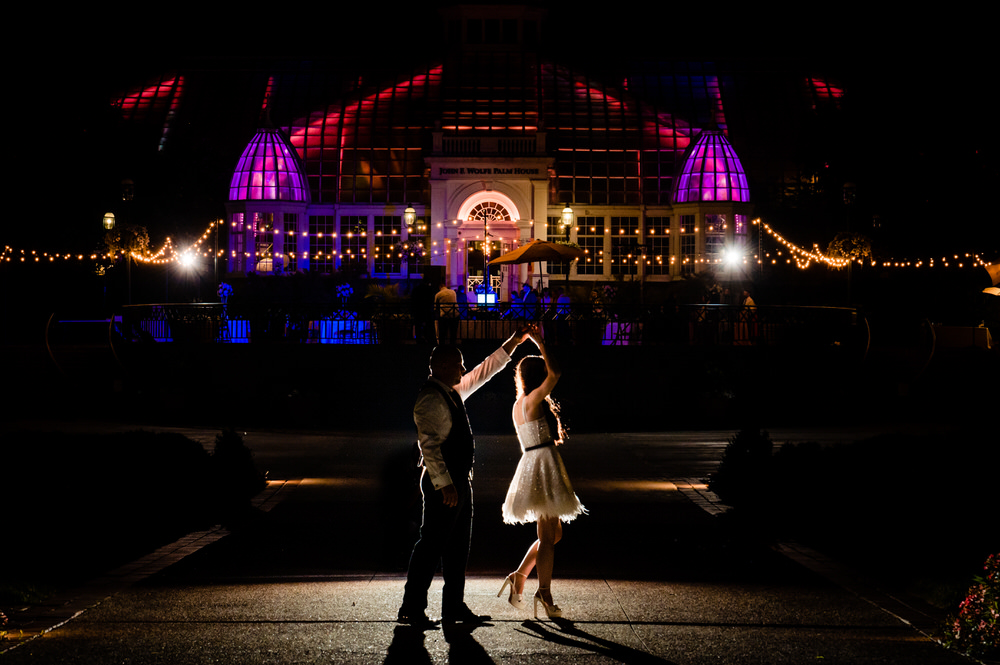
(540, 487)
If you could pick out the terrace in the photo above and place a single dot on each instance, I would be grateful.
(578, 324)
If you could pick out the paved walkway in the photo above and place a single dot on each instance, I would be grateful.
(190, 603)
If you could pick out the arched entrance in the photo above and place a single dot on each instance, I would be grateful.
(489, 228)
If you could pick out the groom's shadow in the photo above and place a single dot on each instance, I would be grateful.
(407, 647)
(463, 647)
(572, 636)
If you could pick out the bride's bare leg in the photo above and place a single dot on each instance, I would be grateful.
(549, 533)
(527, 565)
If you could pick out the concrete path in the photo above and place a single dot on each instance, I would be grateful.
(651, 575)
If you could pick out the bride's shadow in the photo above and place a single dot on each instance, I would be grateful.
(569, 634)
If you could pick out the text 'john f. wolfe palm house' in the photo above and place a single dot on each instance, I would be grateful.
(468, 157)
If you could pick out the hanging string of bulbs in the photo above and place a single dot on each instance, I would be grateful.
(806, 257)
(802, 257)
(165, 254)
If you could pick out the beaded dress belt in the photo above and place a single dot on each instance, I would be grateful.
(540, 445)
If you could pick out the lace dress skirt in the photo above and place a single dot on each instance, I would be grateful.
(541, 486)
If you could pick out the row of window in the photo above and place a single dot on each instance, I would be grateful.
(331, 246)
(624, 245)
(381, 244)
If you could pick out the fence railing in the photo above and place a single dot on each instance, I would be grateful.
(609, 325)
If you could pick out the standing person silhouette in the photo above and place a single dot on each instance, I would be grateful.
(540, 490)
(447, 311)
(746, 329)
(447, 449)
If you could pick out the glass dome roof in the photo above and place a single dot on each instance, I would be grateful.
(711, 172)
(269, 170)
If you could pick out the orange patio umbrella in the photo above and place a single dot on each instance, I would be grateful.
(540, 250)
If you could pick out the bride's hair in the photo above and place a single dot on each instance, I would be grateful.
(529, 374)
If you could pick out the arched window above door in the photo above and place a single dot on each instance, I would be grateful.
(488, 211)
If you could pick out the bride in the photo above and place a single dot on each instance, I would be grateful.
(540, 490)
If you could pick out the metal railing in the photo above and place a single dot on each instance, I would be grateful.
(608, 325)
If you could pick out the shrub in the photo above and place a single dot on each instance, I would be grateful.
(236, 474)
(911, 510)
(143, 489)
(742, 477)
(976, 628)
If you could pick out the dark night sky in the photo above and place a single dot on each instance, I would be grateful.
(920, 93)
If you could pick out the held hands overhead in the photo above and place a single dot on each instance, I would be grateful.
(532, 332)
(518, 337)
(449, 495)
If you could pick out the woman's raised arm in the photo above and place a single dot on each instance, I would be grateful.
(533, 400)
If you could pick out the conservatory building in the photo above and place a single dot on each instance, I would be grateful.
(433, 169)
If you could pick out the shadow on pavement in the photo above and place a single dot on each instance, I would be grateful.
(572, 636)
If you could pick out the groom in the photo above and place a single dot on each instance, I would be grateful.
(447, 450)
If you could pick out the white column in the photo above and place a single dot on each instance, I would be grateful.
(437, 222)
(451, 241)
(302, 240)
(278, 244)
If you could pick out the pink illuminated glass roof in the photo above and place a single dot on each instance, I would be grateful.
(824, 92)
(711, 172)
(158, 101)
(163, 94)
(370, 146)
(269, 170)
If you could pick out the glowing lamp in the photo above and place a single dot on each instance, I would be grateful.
(109, 220)
(409, 216)
(567, 216)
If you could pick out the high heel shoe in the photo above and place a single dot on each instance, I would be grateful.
(551, 611)
(515, 599)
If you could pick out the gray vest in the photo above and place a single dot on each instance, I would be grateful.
(458, 450)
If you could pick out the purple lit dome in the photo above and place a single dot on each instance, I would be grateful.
(269, 170)
(711, 172)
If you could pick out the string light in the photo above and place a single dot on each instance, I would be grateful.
(166, 254)
(803, 258)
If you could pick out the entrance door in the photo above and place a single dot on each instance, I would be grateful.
(477, 253)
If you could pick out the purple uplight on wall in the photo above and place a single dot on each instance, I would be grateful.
(269, 170)
(711, 172)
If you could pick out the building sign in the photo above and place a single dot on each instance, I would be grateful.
(489, 170)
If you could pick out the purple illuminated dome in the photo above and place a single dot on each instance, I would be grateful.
(269, 170)
(711, 172)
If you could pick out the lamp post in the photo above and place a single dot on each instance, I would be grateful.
(218, 227)
(409, 218)
(109, 224)
(565, 224)
(487, 286)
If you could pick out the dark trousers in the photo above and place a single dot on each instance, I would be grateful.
(445, 535)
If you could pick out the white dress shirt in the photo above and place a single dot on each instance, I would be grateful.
(432, 414)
